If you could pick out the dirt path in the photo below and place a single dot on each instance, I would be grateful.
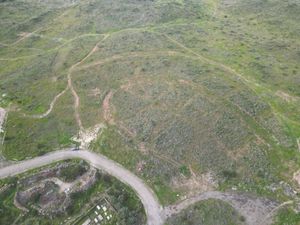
(71, 87)
(2, 118)
(271, 214)
(74, 93)
(257, 211)
(45, 114)
(70, 84)
(133, 54)
(29, 34)
(107, 114)
(209, 61)
(100, 62)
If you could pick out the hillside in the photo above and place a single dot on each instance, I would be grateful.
(190, 95)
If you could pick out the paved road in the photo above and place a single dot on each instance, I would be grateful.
(152, 207)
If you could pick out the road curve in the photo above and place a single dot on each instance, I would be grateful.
(152, 207)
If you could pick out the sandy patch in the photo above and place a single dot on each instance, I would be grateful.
(24, 34)
(54, 79)
(86, 136)
(286, 97)
(96, 92)
(196, 184)
(63, 186)
(140, 166)
(126, 87)
(296, 177)
(2, 118)
(107, 114)
(122, 127)
(182, 81)
(142, 148)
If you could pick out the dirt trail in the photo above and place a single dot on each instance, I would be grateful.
(249, 83)
(70, 84)
(271, 214)
(29, 34)
(52, 49)
(107, 114)
(100, 62)
(2, 118)
(45, 114)
(131, 54)
(257, 211)
(210, 61)
(71, 87)
(23, 37)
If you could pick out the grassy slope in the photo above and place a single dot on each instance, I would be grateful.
(170, 66)
(208, 212)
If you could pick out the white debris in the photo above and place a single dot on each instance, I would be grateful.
(2, 118)
(87, 222)
(100, 218)
(86, 136)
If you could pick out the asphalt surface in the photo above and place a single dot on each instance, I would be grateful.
(152, 207)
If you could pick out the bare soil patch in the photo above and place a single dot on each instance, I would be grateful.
(195, 184)
(285, 96)
(86, 136)
(2, 118)
(107, 114)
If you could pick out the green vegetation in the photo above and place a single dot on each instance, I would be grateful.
(127, 206)
(39, 136)
(208, 212)
(287, 217)
(209, 85)
(129, 209)
(71, 173)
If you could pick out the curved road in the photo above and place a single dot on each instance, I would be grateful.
(152, 207)
(255, 210)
